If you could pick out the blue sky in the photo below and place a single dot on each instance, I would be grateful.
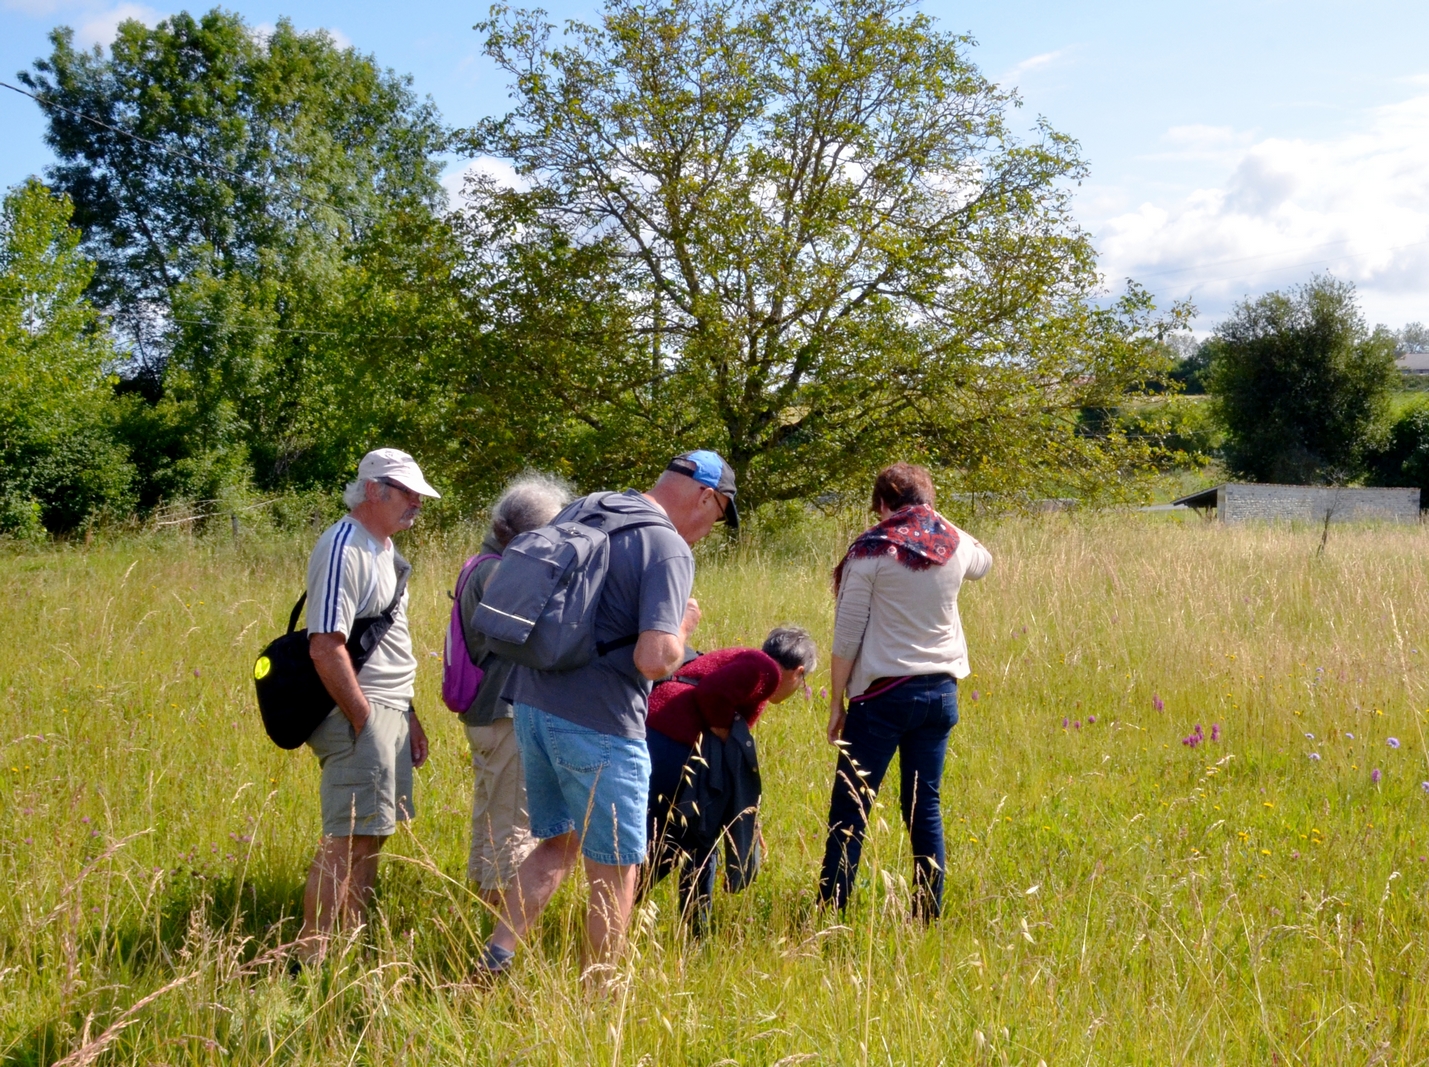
(1235, 147)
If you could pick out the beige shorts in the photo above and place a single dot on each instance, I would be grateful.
(367, 778)
(500, 828)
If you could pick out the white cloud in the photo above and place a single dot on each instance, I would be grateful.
(498, 170)
(101, 25)
(1029, 64)
(1355, 205)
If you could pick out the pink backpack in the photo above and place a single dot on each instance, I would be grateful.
(461, 678)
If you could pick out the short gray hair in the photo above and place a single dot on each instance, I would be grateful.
(792, 647)
(356, 492)
(529, 502)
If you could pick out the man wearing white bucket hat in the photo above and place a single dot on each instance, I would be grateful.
(371, 740)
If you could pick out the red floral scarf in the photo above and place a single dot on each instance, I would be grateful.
(917, 536)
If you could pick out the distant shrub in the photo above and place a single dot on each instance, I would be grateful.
(1301, 385)
(1190, 364)
(1404, 460)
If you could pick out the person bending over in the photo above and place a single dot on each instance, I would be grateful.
(704, 769)
(898, 650)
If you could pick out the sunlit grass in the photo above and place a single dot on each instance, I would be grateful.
(1114, 894)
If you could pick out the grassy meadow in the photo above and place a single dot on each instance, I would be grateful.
(1115, 895)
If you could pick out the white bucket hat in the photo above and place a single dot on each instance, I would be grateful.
(395, 465)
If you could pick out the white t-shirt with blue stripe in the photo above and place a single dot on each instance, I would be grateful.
(351, 575)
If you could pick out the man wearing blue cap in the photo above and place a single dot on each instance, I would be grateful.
(709, 470)
(582, 732)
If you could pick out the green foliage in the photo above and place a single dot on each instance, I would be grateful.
(232, 143)
(180, 450)
(1301, 385)
(1190, 362)
(247, 247)
(59, 461)
(308, 365)
(1183, 429)
(545, 373)
(799, 232)
(1404, 458)
(822, 245)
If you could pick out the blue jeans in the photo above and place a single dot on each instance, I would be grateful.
(581, 780)
(914, 720)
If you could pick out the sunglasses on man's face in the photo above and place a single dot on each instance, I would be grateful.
(408, 493)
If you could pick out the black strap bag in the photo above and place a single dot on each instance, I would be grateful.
(291, 697)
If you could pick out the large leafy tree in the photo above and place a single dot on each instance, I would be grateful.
(826, 243)
(59, 461)
(240, 194)
(1301, 384)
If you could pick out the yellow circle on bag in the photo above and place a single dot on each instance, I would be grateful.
(262, 667)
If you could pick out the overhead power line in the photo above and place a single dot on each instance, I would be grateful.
(260, 183)
(1241, 259)
(237, 176)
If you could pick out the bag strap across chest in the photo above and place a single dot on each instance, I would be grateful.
(367, 633)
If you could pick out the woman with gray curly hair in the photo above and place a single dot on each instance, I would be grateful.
(500, 828)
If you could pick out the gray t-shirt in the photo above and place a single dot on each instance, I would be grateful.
(651, 575)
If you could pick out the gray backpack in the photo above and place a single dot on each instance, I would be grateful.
(539, 608)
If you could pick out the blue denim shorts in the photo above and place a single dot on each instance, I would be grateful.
(580, 779)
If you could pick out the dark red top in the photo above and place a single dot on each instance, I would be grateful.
(732, 681)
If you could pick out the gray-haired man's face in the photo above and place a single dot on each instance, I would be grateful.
(395, 503)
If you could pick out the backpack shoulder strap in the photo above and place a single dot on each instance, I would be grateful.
(613, 521)
(367, 637)
(404, 571)
(297, 610)
(604, 648)
(468, 569)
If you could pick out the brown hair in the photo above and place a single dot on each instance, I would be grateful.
(903, 484)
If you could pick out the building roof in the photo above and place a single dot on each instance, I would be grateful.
(1206, 498)
(1413, 362)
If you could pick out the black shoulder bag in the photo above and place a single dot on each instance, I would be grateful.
(291, 697)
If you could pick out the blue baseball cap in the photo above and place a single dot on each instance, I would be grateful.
(710, 470)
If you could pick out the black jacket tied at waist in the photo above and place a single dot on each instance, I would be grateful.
(720, 798)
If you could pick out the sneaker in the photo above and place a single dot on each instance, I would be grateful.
(494, 962)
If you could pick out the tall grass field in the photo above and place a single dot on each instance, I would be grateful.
(1184, 806)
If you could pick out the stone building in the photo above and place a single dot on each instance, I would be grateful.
(1238, 502)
